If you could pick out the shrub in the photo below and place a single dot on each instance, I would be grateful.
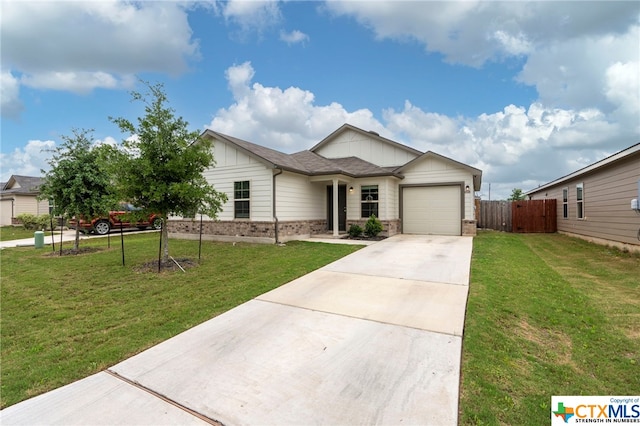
(32, 222)
(373, 226)
(44, 222)
(28, 220)
(355, 231)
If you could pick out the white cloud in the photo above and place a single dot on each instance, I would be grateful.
(287, 120)
(77, 82)
(293, 37)
(473, 32)
(251, 15)
(27, 161)
(424, 129)
(513, 44)
(10, 103)
(568, 47)
(622, 88)
(574, 72)
(79, 46)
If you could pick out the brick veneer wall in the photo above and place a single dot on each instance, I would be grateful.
(469, 228)
(287, 230)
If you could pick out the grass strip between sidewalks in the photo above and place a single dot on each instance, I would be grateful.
(65, 318)
(547, 315)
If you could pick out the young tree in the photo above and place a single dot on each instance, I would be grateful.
(160, 168)
(516, 195)
(78, 183)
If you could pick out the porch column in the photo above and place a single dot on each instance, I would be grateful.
(336, 219)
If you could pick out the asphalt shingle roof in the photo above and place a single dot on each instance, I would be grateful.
(26, 184)
(310, 163)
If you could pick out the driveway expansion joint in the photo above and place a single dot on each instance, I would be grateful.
(164, 398)
(257, 299)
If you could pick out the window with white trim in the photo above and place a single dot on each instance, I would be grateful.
(369, 200)
(241, 203)
(580, 201)
(565, 203)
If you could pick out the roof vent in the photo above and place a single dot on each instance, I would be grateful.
(375, 133)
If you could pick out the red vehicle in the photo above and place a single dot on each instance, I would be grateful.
(120, 218)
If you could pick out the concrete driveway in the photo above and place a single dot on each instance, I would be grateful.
(374, 338)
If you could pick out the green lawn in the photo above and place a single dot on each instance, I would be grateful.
(64, 318)
(547, 315)
(8, 233)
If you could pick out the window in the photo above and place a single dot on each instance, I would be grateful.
(565, 203)
(241, 199)
(580, 201)
(369, 200)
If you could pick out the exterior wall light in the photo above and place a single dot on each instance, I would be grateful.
(351, 190)
(467, 189)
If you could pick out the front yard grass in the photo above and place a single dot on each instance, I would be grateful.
(547, 315)
(65, 318)
(8, 233)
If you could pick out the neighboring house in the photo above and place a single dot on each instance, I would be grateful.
(594, 202)
(341, 181)
(17, 196)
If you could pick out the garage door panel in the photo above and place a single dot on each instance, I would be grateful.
(432, 210)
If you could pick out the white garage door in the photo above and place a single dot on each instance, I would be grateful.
(431, 210)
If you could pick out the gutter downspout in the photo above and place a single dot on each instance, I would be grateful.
(274, 204)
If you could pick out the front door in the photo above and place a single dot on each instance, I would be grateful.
(342, 207)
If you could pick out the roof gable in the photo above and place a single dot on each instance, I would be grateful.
(430, 155)
(270, 157)
(367, 145)
(23, 184)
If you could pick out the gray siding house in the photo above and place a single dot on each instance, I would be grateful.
(594, 203)
(341, 181)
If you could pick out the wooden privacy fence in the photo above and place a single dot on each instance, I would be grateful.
(494, 215)
(518, 216)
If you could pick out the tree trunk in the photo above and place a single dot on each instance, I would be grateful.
(76, 242)
(165, 241)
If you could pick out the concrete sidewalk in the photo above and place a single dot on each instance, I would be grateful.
(374, 338)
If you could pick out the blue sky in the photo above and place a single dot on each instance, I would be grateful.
(525, 91)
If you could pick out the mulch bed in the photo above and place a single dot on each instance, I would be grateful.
(378, 238)
(72, 252)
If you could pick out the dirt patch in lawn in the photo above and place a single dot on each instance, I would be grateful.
(72, 252)
(169, 266)
(553, 346)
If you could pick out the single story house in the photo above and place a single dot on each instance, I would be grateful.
(341, 181)
(18, 195)
(594, 203)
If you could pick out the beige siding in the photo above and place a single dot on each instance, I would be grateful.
(387, 198)
(29, 204)
(234, 166)
(355, 144)
(432, 171)
(392, 204)
(298, 199)
(6, 212)
(607, 202)
(43, 207)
